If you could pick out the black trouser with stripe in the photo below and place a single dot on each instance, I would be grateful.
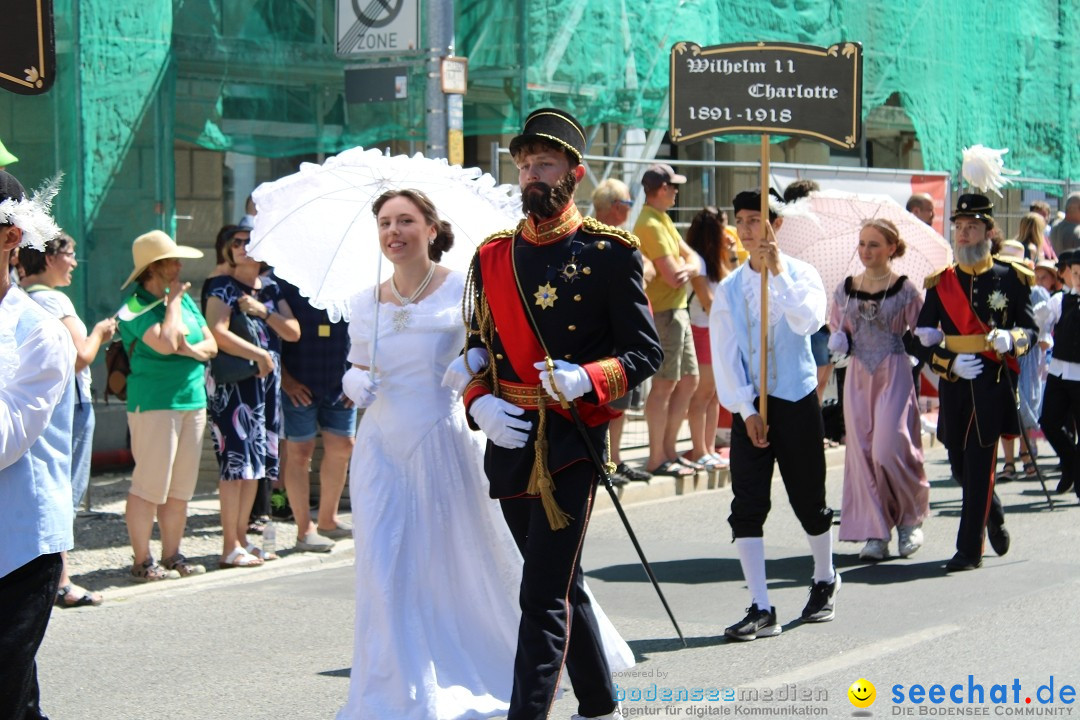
(973, 465)
(796, 435)
(553, 601)
(1061, 413)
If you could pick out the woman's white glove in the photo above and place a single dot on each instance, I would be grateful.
(1000, 340)
(838, 343)
(457, 376)
(498, 419)
(571, 380)
(967, 366)
(360, 386)
(929, 337)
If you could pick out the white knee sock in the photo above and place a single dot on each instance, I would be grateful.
(752, 558)
(821, 549)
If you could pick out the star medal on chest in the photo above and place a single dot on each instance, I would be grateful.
(545, 296)
(997, 301)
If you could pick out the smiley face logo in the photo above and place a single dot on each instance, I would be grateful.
(862, 693)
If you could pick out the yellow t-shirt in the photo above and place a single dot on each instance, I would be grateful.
(659, 238)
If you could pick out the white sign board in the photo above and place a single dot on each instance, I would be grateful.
(377, 27)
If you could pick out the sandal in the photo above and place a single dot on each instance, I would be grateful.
(180, 564)
(688, 463)
(150, 571)
(1008, 472)
(257, 551)
(70, 596)
(256, 526)
(239, 558)
(672, 468)
(1029, 465)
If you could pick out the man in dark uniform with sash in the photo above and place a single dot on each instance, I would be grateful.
(556, 313)
(977, 319)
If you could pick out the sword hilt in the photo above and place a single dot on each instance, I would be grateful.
(554, 386)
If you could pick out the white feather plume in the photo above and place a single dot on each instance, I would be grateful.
(33, 215)
(984, 169)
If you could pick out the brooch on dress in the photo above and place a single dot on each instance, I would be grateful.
(997, 300)
(545, 296)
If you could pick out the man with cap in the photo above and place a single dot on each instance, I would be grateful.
(36, 404)
(675, 381)
(794, 437)
(555, 314)
(976, 321)
(1059, 321)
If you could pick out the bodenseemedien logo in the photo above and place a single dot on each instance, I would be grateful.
(862, 693)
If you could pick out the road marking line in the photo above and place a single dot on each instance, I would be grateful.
(857, 656)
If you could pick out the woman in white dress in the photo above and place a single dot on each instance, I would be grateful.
(437, 569)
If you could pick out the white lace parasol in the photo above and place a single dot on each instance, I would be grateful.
(316, 229)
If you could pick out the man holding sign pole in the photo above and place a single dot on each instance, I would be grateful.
(793, 438)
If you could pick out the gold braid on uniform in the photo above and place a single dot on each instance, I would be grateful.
(540, 481)
(481, 313)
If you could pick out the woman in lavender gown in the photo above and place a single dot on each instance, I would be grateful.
(884, 482)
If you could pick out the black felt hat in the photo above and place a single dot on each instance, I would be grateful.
(554, 126)
(973, 205)
(1067, 258)
(10, 187)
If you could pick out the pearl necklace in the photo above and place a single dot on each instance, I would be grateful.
(403, 315)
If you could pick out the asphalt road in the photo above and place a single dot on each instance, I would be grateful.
(280, 647)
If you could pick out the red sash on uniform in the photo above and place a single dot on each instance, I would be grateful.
(958, 308)
(519, 341)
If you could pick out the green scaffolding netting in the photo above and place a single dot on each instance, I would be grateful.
(261, 77)
(997, 73)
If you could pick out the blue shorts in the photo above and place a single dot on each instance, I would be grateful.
(302, 422)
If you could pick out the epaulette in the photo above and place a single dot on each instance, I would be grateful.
(502, 234)
(1026, 275)
(595, 226)
(932, 279)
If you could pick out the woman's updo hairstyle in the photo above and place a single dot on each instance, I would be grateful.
(444, 238)
(889, 232)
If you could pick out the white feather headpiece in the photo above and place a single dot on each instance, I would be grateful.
(984, 169)
(33, 215)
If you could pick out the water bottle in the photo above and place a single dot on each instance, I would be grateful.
(269, 539)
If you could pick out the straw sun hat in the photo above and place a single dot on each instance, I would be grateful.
(153, 246)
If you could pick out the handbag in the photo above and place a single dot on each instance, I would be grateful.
(226, 368)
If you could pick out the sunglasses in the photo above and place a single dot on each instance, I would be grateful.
(626, 203)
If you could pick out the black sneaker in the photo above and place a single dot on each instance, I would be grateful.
(633, 473)
(999, 538)
(757, 623)
(820, 606)
(961, 562)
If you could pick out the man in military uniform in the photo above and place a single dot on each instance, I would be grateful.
(556, 315)
(976, 321)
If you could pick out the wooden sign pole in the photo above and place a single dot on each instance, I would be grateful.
(764, 396)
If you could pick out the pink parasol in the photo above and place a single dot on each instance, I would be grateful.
(823, 230)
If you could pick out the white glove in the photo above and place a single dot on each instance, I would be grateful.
(1000, 340)
(360, 386)
(571, 379)
(967, 366)
(838, 343)
(498, 419)
(929, 337)
(457, 376)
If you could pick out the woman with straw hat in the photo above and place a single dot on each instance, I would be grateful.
(168, 343)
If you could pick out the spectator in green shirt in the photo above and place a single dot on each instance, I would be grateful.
(169, 345)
